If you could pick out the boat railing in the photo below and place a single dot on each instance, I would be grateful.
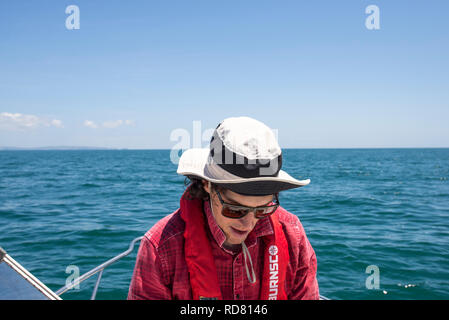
(100, 270)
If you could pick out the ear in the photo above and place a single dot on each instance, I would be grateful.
(206, 185)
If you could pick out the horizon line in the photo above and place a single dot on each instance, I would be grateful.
(68, 148)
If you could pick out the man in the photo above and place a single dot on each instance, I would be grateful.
(230, 238)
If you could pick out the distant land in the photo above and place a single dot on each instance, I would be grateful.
(105, 148)
(59, 148)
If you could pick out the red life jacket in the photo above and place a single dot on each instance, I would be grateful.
(201, 264)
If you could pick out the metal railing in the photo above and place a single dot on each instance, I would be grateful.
(98, 270)
(101, 268)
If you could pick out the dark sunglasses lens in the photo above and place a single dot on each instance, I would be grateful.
(233, 213)
(265, 212)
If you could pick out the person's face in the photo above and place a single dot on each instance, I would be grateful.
(235, 230)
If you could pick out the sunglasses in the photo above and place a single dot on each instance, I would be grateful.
(236, 212)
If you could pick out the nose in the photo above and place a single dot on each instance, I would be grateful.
(248, 221)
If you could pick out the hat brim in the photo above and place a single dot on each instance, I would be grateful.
(196, 163)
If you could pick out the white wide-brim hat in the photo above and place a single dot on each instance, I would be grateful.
(243, 156)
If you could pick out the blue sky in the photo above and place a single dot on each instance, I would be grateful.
(136, 71)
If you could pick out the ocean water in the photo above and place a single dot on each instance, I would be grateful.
(387, 208)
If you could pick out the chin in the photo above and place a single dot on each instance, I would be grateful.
(236, 240)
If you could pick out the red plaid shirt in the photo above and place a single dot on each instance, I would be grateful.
(161, 272)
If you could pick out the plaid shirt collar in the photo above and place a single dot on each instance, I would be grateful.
(262, 228)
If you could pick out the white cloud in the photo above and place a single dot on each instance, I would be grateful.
(109, 124)
(90, 124)
(112, 124)
(19, 121)
(57, 123)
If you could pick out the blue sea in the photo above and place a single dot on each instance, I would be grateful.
(364, 209)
